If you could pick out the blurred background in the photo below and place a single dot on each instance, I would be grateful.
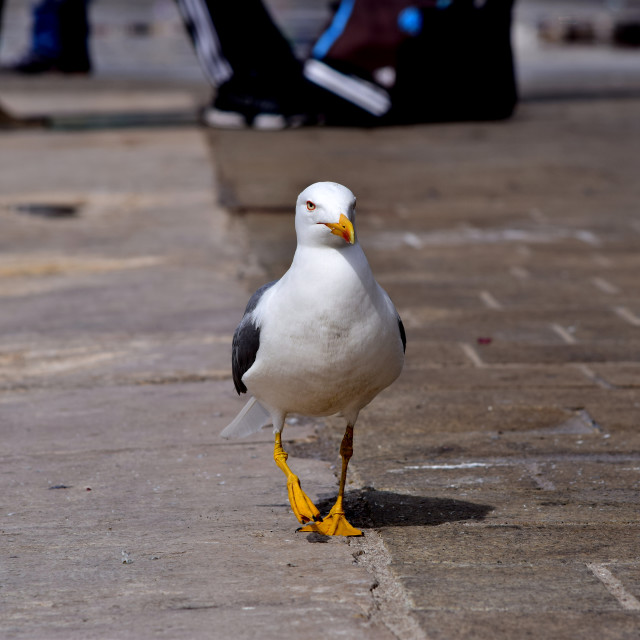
(562, 48)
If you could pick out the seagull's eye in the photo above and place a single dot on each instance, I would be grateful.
(310, 205)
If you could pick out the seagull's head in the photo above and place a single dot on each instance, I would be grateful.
(325, 215)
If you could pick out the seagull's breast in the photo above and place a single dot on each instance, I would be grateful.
(329, 340)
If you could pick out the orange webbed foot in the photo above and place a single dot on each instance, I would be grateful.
(335, 524)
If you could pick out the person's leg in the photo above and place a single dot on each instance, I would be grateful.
(73, 32)
(58, 39)
(252, 42)
(45, 34)
(204, 36)
(246, 57)
(44, 47)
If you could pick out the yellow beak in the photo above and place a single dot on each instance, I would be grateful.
(343, 228)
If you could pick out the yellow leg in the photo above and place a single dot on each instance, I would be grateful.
(302, 506)
(335, 524)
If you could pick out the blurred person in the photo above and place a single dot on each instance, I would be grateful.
(258, 80)
(59, 39)
(404, 61)
(378, 62)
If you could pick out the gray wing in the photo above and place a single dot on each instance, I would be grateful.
(246, 341)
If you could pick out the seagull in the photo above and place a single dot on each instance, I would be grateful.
(324, 339)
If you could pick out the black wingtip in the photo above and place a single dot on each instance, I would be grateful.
(403, 335)
(246, 341)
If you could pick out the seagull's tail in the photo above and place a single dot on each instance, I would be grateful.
(252, 417)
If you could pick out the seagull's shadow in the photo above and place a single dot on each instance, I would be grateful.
(370, 508)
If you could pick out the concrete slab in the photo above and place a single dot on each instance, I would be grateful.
(124, 514)
(520, 159)
(496, 481)
(501, 469)
(561, 625)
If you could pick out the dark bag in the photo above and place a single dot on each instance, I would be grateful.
(459, 66)
(428, 60)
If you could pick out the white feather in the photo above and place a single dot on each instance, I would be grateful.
(330, 338)
(252, 417)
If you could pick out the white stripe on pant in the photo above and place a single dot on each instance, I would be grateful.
(206, 43)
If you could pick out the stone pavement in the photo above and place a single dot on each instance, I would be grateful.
(502, 470)
(123, 515)
(497, 480)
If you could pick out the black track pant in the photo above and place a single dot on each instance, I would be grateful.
(238, 38)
